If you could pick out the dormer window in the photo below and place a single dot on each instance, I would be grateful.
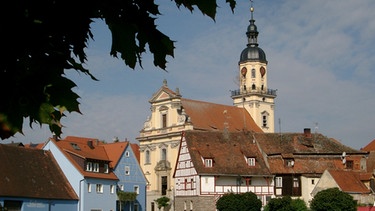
(96, 167)
(289, 162)
(106, 168)
(250, 161)
(89, 166)
(208, 162)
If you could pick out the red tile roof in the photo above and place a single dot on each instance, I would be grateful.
(228, 154)
(85, 148)
(115, 151)
(215, 117)
(349, 181)
(32, 173)
(370, 146)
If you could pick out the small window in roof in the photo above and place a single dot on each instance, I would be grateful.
(75, 146)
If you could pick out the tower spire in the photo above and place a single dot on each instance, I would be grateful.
(252, 32)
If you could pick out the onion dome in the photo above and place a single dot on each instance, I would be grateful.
(252, 52)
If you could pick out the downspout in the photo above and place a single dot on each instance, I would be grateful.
(80, 198)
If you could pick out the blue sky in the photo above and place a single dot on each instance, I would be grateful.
(321, 59)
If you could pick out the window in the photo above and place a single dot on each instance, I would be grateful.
(96, 167)
(185, 184)
(89, 187)
(136, 189)
(164, 154)
(184, 205)
(88, 166)
(147, 157)
(122, 187)
(253, 87)
(127, 153)
(312, 181)
(208, 162)
(136, 207)
(152, 206)
(295, 183)
(191, 183)
(99, 188)
(106, 168)
(349, 164)
(112, 189)
(164, 185)
(290, 162)
(127, 170)
(251, 161)
(164, 120)
(253, 73)
(279, 182)
(191, 205)
(264, 117)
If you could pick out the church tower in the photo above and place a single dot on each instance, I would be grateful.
(253, 93)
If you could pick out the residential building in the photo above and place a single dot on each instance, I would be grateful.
(124, 158)
(32, 180)
(210, 164)
(86, 165)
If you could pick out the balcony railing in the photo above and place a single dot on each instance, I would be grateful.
(238, 92)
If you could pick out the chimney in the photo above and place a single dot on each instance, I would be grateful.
(90, 144)
(307, 132)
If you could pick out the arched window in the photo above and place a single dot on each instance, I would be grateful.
(147, 157)
(265, 119)
(253, 87)
(191, 205)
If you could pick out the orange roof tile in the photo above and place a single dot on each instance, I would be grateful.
(370, 146)
(228, 154)
(85, 148)
(349, 181)
(215, 117)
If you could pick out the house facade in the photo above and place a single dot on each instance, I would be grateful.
(87, 167)
(33, 181)
(210, 164)
(125, 164)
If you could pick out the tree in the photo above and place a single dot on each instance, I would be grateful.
(125, 197)
(239, 202)
(286, 203)
(162, 202)
(43, 39)
(333, 199)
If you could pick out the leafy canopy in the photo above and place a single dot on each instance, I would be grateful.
(43, 39)
(239, 202)
(333, 199)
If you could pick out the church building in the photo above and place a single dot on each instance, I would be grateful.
(171, 114)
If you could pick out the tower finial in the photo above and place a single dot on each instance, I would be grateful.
(251, 9)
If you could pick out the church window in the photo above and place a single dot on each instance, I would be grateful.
(147, 157)
(164, 154)
(164, 120)
(253, 87)
(264, 117)
(164, 185)
(253, 73)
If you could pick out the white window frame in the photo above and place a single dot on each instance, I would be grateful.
(278, 182)
(127, 154)
(106, 168)
(208, 162)
(89, 187)
(99, 188)
(136, 189)
(251, 161)
(127, 170)
(95, 167)
(89, 166)
(112, 189)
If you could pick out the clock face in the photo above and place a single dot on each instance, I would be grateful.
(243, 71)
(262, 71)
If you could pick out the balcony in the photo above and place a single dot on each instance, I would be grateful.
(239, 93)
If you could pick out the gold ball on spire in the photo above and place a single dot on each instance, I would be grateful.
(251, 9)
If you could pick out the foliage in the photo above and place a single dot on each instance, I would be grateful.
(333, 199)
(126, 196)
(286, 203)
(162, 201)
(239, 202)
(41, 44)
